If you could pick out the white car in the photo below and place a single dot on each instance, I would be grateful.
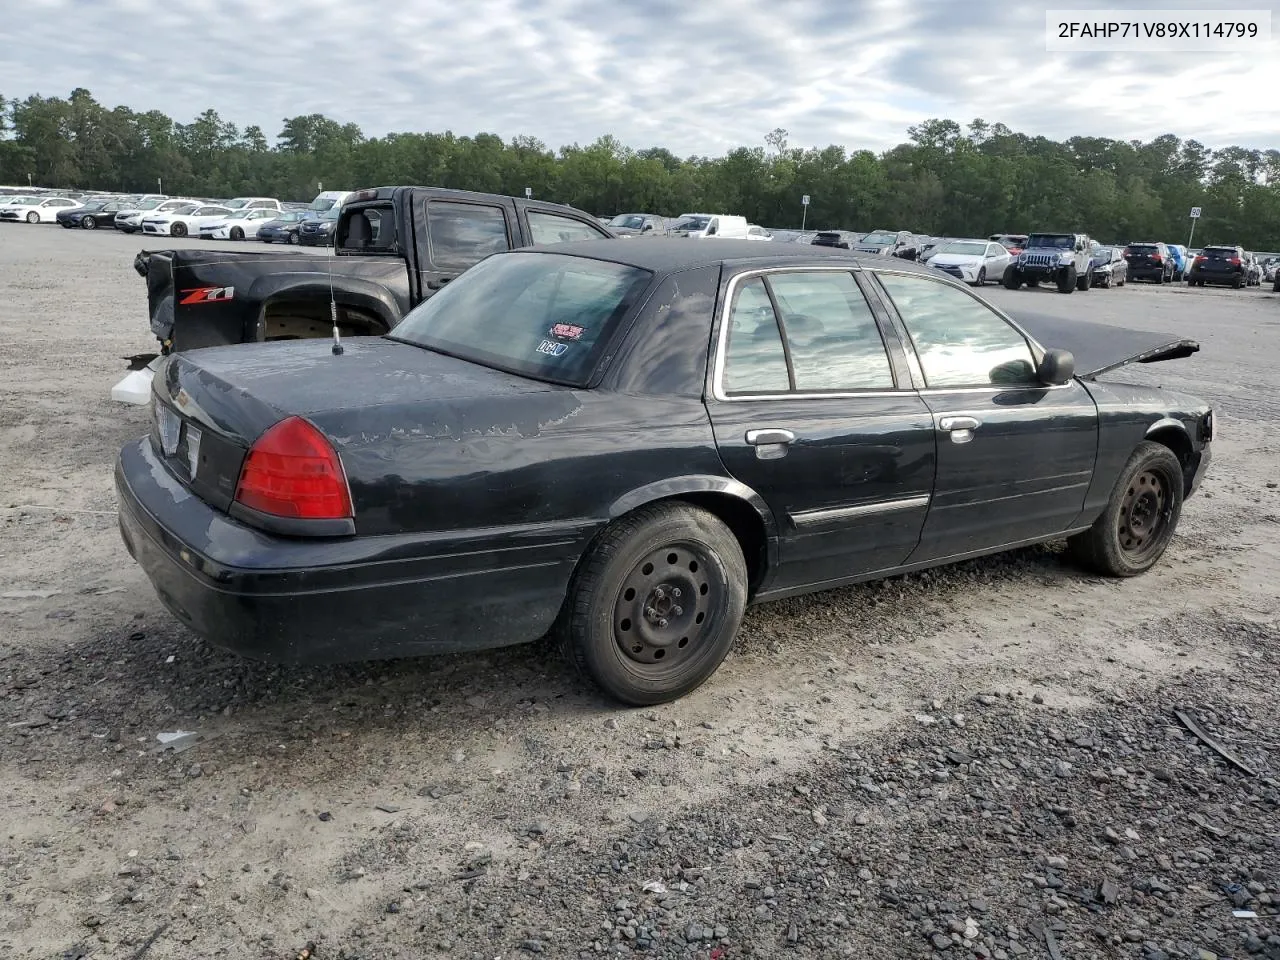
(179, 223)
(974, 261)
(756, 232)
(36, 209)
(130, 221)
(237, 225)
(253, 203)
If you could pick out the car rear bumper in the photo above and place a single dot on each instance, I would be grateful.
(1146, 272)
(301, 600)
(1216, 276)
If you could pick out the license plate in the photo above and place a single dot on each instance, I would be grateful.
(170, 427)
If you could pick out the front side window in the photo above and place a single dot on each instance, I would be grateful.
(551, 228)
(960, 341)
(544, 315)
(463, 234)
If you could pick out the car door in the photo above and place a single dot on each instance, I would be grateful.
(459, 234)
(812, 407)
(998, 261)
(1015, 457)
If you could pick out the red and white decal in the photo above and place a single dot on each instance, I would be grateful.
(207, 295)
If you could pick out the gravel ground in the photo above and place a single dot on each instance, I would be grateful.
(981, 761)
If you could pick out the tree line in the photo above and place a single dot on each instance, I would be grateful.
(944, 179)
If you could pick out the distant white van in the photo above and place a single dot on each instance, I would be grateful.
(328, 200)
(710, 225)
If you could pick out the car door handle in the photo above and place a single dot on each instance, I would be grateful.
(770, 435)
(771, 443)
(960, 428)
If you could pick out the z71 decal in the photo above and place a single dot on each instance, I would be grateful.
(207, 295)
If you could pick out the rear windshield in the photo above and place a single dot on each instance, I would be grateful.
(1219, 251)
(1143, 248)
(543, 315)
(365, 230)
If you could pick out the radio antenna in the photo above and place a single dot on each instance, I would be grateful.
(333, 303)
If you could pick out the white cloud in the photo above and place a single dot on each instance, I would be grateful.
(696, 76)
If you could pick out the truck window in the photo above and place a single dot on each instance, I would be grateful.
(552, 228)
(462, 234)
(368, 230)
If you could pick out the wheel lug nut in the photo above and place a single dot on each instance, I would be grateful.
(662, 622)
(676, 611)
(675, 592)
(659, 593)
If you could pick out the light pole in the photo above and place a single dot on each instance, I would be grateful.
(804, 215)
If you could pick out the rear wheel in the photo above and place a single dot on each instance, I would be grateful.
(89, 223)
(237, 233)
(1235, 284)
(654, 607)
(179, 229)
(1134, 530)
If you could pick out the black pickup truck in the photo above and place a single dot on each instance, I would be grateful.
(393, 248)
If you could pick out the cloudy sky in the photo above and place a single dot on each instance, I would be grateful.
(697, 76)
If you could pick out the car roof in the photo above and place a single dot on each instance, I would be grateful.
(672, 255)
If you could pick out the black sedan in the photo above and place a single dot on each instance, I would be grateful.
(624, 444)
(98, 213)
(284, 228)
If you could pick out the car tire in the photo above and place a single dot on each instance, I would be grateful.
(1067, 280)
(619, 624)
(237, 233)
(1011, 279)
(982, 277)
(1085, 282)
(1235, 284)
(1140, 519)
(178, 229)
(33, 217)
(1106, 283)
(293, 238)
(89, 223)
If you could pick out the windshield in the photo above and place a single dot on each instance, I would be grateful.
(148, 205)
(544, 315)
(1060, 241)
(16, 201)
(238, 203)
(968, 249)
(321, 204)
(293, 216)
(632, 221)
(880, 239)
(691, 223)
(1103, 253)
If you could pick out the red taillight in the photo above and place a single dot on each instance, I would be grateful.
(1157, 256)
(1235, 261)
(1201, 259)
(293, 471)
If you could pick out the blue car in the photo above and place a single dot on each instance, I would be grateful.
(1181, 260)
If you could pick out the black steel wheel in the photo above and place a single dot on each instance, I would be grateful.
(1139, 521)
(653, 608)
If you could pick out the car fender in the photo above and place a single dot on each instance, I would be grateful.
(352, 292)
(675, 487)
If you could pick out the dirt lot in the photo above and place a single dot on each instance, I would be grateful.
(980, 761)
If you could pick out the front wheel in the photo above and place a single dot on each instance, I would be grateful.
(89, 223)
(293, 237)
(1067, 280)
(982, 277)
(33, 217)
(655, 605)
(1141, 516)
(179, 229)
(1011, 279)
(1084, 281)
(237, 233)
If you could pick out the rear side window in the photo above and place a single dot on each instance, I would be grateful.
(463, 234)
(755, 361)
(551, 228)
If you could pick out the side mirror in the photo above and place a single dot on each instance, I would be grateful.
(647, 228)
(1056, 367)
